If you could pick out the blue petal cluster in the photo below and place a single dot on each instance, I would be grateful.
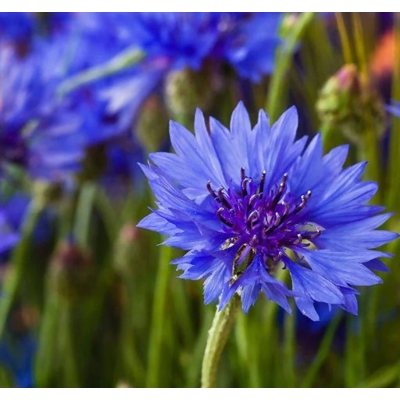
(43, 131)
(244, 42)
(16, 26)
(35, 131)
(246, 202)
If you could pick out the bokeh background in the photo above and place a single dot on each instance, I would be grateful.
(90, 300)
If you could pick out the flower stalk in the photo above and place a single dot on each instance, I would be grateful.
(274, 101)
(217, 338)
(158, 318)
(19, 262)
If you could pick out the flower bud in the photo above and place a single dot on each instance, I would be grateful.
(46, 192)
(94, 163)
(152, 124)
(71, 271)
(350, 104)
(186, 90)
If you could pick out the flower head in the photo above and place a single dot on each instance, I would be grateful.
(33, 132)
(180, 42)
(246, 202)
(246, 41)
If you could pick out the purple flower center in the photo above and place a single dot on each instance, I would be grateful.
(261, 221)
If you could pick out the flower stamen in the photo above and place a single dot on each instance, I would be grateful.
(223, 219)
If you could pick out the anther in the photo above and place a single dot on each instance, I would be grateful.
(242, 174)
(277, 219)
(298, 240)
(252, 199)
(211, 191)
(282, 185)
(253, 215)
(223, 199)
(280, 190)
(253, 241)
(277, 257)
(223, 219)
(244, 185)
(315, 234)
(241, 254)
(304, 199)
(262, 182)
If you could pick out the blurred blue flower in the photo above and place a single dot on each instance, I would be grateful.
(17, 355)
(8, 237)
(244, 42)
(17, 26)
(33, 133)
(41, 130)
(245, 202)
(394, 108)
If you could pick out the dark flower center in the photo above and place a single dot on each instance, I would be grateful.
(266, 222)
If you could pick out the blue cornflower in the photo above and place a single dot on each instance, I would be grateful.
(35, 131)
(17, 26)
(246, 41)
(242, 42)
(45, 133)
(247, 201)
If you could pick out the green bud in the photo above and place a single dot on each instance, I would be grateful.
(152, 125)
(349, 104)
(71, 271)
(187, 90)
(94, 163)
(47, 193)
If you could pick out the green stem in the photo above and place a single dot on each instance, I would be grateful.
(108, 213)
(344, 39)
(70, 367)
(217, 338)
(121, 61)
(18, 263)
(355, 352)
(274, 99)
(83, 213)
(369, 150)
(323, 351)
(194, 367)
(44, 360)
(289, 349)
(182, 307)
(331, 136)
(383, 378)
(5, 379)
(128, 350)
(158, 317)
(393, 183)
(246, 344)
